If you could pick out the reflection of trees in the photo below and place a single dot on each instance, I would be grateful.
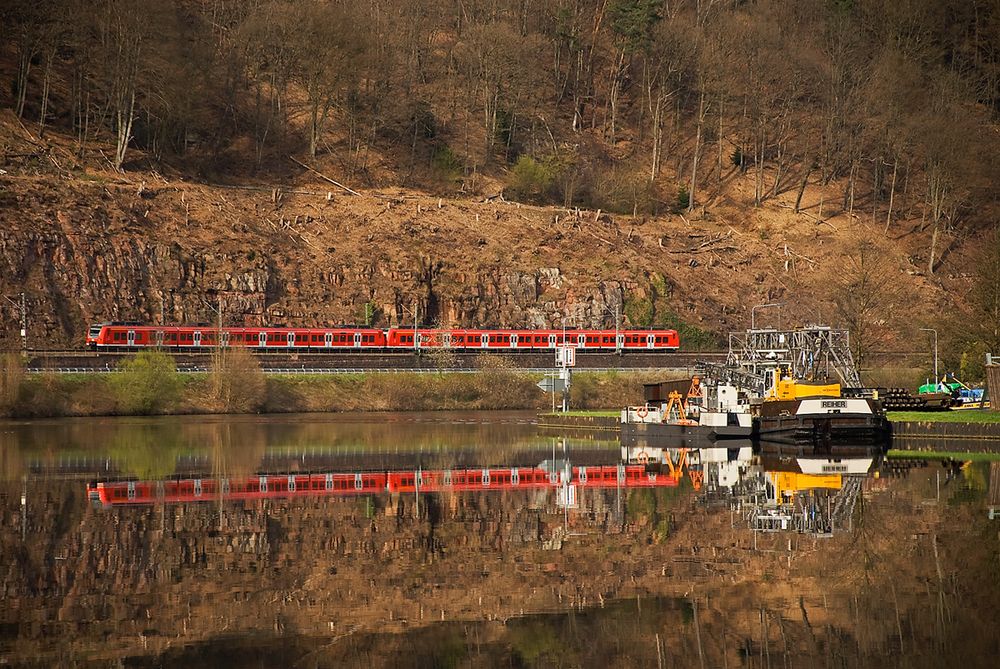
(236, 445)
(148, 451)
(11, 464)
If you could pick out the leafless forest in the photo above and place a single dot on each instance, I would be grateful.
(632, 105)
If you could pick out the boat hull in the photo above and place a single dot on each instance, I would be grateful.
(859, 422)
(672, 431)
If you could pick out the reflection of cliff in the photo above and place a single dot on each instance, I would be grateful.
(92, 583)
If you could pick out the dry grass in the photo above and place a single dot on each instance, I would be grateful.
(498, 387)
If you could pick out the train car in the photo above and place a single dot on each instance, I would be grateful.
(469, 480)
(132, 336)
(194, 337)
(119, 493)
(515, 340)
(283, 486)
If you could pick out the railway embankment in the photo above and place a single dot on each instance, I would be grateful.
(55, 395)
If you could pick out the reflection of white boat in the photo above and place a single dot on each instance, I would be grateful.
(835, 465)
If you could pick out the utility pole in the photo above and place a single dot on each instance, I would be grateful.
(618, 320)
(753, 322)
(936, 377)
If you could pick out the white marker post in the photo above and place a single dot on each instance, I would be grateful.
(565, 361)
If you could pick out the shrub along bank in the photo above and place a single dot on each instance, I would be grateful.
(150, 384)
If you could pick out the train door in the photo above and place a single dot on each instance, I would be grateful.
(552, 341)
(513, 341)
(515, 477)
(262, 484)
(197, 487)
(262, 339)
(484, 340)
(224, 338)
(581, 340)
(159, 338)
(357, 340)
(291, 339)
(197, 338)
(650, 340)
(583, 475)
(328, 339)
(131, 337)
(131, 489)
(328, 482)
(446, 340)
(486, 477)
(619, 342)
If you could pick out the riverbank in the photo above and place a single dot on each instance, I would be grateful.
(975, 430)
(56, 395)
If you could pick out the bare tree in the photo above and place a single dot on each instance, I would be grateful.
(867, 297)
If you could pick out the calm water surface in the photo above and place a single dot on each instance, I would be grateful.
(428, 540)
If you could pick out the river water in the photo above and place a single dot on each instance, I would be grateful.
(476, 539)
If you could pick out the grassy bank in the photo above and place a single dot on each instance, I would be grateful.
(943, 455)
(968, 416)
(49, 395)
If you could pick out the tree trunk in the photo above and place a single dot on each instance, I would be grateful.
(892, 195)
(720, 139)
(697, 150)
(125, 118)
(23, 70)
(46, 80)
(616, 83)
(802, 186)
(313, 128)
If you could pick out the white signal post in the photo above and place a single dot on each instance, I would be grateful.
(565, 361)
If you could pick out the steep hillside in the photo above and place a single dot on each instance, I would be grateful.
(90, 244)
(303, 162)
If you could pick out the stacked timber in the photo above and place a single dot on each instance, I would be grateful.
(901, 399)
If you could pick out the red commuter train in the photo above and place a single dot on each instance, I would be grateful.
(277, 486)
(131, 336)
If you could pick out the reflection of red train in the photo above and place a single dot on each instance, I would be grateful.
(273, 486)
(188, 337)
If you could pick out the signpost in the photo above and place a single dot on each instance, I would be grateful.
(552, 384)
(559, 381)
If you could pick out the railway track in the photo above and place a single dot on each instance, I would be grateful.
(339, 362)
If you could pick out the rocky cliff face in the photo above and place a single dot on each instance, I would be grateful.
(134, 256)
(89, 247)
